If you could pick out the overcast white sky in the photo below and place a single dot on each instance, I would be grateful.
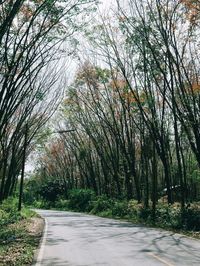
(107, 3)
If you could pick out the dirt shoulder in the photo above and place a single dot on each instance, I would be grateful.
(35, 226)
(21, 242)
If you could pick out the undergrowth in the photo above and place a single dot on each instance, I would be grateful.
(16, 244)
(166, 216)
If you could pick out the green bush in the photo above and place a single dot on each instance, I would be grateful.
(9, 204)
(4, 217)
(120, 209)
(107, 213)
(27, 213)
(42, 204)
(80, 199)
(191, 219)
(9, 212)
(101, 204)
(30, 192)
(169, 216)
(51, 189)
(62, 204)
(144, 214)
(133, 208)
(38, 204)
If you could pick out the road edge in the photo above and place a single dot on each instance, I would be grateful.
(37, 259)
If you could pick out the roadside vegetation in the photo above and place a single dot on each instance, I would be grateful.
(20, 233)
(170, 217)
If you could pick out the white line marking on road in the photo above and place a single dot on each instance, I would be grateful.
(160, 259)
(41, 251)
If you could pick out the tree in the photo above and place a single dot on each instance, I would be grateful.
(32, 39)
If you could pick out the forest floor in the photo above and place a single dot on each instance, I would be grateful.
(21, 241)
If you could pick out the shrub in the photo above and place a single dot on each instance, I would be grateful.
(51, 189)
(4, 217)
(9, 211)
(133, 207)
(102, 204)
(120, 209)
(144, 214)
(62, 204)
(191, 218)
(80, 199)
(169, 216)
(27, 213)
(42, 204)
(30, 192)
(107, 213)
(9, 205)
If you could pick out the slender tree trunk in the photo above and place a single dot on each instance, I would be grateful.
(3, 178)
(23, 169)
(154, 183)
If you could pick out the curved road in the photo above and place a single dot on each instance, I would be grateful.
(74, 239)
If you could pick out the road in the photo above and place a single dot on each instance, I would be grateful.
(74, 239)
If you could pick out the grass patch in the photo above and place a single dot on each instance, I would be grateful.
(17, 241)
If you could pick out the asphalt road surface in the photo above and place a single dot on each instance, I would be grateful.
(74, 239)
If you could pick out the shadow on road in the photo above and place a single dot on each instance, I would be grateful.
(85, 233)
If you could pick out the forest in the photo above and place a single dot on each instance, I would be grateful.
(119, 130)
(133, 108)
